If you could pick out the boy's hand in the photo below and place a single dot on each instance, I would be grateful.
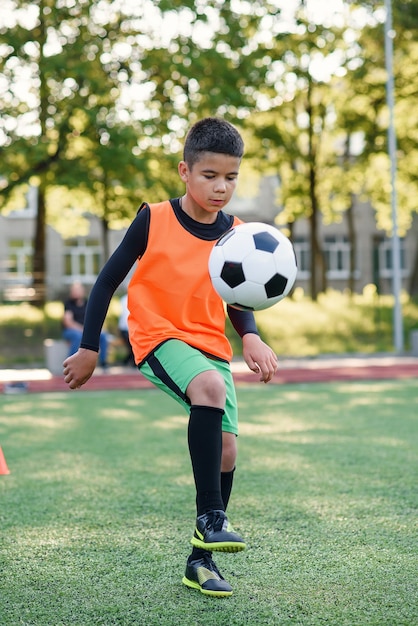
(259, 357)
(79, 367)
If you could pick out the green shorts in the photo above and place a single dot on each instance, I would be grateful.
(174, 364)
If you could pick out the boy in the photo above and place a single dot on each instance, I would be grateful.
(177, 330)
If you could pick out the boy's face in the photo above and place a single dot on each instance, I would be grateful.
(209, 184)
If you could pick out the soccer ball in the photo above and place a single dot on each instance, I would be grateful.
(253, 266)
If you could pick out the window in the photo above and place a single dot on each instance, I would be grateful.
(385, 253)
(337, 256)
(82, 259)
(336, 252)
(303, 257)
(20, 259)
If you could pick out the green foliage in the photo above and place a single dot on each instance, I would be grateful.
(336, 323)
(98, 509)
(366, 108)
(107, 97)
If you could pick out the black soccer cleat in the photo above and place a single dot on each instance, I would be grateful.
(203, 574)
(214, 532)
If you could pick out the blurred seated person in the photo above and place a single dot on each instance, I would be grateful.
(124, 332)
(73, 321)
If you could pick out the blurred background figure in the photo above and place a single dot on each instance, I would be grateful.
(73, 322)
(124, 332)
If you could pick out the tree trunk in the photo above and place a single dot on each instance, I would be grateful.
(413, 281)
(318, 269)
(105, 238)
(39, 251)
(317, 278)
(39, 245)
(353, 245)
(352, 240)
(105, 220)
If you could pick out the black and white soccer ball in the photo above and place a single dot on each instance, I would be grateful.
(253, 266)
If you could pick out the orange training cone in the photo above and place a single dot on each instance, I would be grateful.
(3, 465)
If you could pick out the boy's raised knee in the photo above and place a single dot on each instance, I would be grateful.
(207, 389)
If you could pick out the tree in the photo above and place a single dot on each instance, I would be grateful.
(310, 123)
(296, 128)
(53, 132)
(367, 84)
(80, 124)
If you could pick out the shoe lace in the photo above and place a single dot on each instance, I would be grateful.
(211, 565)
(219, 520)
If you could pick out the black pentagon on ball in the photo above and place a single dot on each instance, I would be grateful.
(275, 286)
(265, 241)
(233, 274)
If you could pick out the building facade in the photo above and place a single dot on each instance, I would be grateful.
(77, 259)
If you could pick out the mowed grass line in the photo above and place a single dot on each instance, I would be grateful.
(97, 512)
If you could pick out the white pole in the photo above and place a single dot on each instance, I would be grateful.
(396, 249)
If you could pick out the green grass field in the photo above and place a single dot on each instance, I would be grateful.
(98, 510)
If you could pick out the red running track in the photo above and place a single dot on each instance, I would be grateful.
(302, 372)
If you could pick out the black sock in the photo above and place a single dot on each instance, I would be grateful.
(198, 553)
(227, 479)
(226, 488)
(205, 446)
